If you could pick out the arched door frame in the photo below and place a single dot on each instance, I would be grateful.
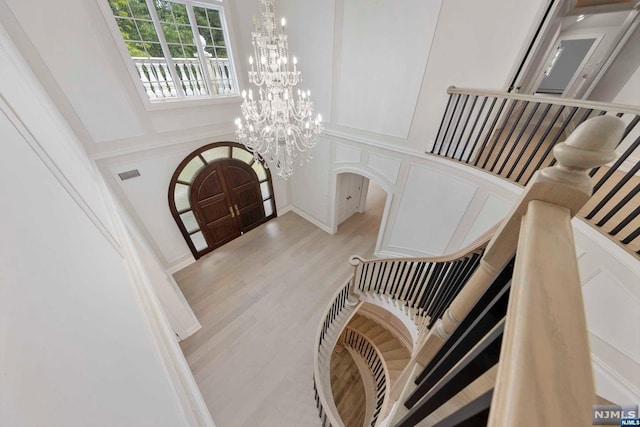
(372, 176)
(189, 169)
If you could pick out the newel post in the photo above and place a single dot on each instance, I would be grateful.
(545, 369)
(354, 294)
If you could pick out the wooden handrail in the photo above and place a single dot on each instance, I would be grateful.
(474, 247)
(567, 184)
(544, 374)
(620, 108)
(326, 402)
(554, 195)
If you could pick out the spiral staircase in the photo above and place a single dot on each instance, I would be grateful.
(494, 334)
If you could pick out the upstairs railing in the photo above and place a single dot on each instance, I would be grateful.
(513, 136)
(158, 82)
(365, 348)
(525, 316)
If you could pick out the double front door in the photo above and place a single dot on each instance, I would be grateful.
(226, 201)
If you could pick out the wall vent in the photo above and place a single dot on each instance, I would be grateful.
(129, 174)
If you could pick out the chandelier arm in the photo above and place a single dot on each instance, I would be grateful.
(277, 127)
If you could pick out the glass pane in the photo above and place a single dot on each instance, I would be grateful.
(119, 8)
(242, 155)
(215, 154)
(262, 175)
(201, 16)
(180, 13)
(198, 241)
(154, 50)
(214, 18)
(189, 221)
(181, 197)
(191, 170)
(147, 31)
(170, 33)
(139, 9)
(218, 38)
(268, 210)
(128, 29)
(186, 35)
(221, 52)
(264, 190)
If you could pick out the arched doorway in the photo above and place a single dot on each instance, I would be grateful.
(359, 191)
(219, 192)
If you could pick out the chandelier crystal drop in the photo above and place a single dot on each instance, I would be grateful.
(278, 121)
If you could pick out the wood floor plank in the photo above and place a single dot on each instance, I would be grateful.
(260, 300)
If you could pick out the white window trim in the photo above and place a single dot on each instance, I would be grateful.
(174, 103)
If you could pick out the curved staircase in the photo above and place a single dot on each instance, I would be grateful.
(476, 310)
(394, 354)
(348, 388)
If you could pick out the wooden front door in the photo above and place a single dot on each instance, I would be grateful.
(226, 201)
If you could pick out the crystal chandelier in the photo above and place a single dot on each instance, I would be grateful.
(277, 125)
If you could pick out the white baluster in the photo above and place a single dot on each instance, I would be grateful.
(196, 75)
(145, 80)
(157, 69)
(227, 74)
(153, 80)
(215, 74)
(184, 76)
(169, 79)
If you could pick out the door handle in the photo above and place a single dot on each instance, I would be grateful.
(233, 215)
(349, 198)
(237, 210)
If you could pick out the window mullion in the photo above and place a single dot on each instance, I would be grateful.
(201, 53)
(177, 83)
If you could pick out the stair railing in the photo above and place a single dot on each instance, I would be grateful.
(334, 319)
(513, 135)
(422, 287)
(529, 321)
(370, 353)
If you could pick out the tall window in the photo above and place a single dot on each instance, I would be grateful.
(179, 47)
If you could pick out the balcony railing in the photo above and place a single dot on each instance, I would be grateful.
(159, 83)
(513, 136)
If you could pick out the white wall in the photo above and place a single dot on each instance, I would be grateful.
(621, 83)
(77, 345)
(611, 289)
(475, 46)
(382, 59)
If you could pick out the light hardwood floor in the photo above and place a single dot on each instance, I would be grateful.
(259, 300)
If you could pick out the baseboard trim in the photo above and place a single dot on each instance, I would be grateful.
(283, 210)
(189, 331)
(312, 219)
(179, 265)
